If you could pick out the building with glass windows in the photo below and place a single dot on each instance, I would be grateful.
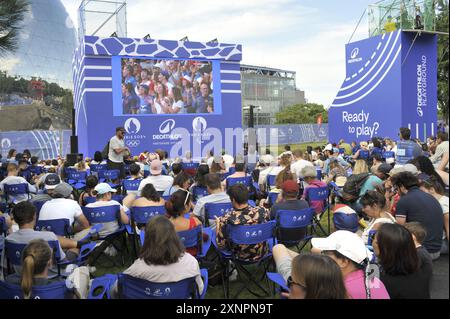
(46, 43)
(270, 89)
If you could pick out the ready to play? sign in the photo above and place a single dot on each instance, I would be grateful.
(359, 124)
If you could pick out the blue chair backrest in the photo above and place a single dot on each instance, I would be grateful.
(13, 251)
(104, 214)
(363, 154)
(25, 174)
(90, 199)
(141, 215)
(36, 170)
(54, 290)
(389, 154)
(146, 173)
(319, 173)
(213, 210)
(16, 189)
(3, 226)
(131, 185)
(271, 179)
(295, 218)
(76, 176)
(372, 234)
(98, 167)
(109, 174)
(190, 165)
(117, 197)
(342, 151)
(38, 204)
(272, 196)
(135, 288)
(251, 234)
(247, 181)
(318, 193)
(200, 191)
(191, 238)
(60, 227)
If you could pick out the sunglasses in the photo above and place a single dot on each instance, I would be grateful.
(291, 282)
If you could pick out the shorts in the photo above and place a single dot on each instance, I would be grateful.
(284, 267)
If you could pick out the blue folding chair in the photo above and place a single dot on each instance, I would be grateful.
(36, 170)
(95, 168)
(101, 287)
(13, 254)
(54, 290)
(319, 194)
(15, 190)
(106, 214)
(213, 210)
(131, 184)
(247, 235)
(26, 173)
(388, 154)
(319, 172)
(272, 198)
(108, 176)
(117, 197)
(270, 181)
(363, 154)
(341, 151)
(193, 238)
(199, 192)
(60, 227)
(76, 179)
(134, 288)
(278, 280)
(38, 205)
(292, 226)
(141, 215)
(3, 226)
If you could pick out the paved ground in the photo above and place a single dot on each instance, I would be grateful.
(440, 281)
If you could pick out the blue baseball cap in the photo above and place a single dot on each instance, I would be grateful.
(345, 218)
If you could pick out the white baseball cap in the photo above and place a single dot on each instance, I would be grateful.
(346, 243)
(329, 147)
(104, 188)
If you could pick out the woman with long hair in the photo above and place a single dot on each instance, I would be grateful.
(160, 91)
(162, 257)
(401, 270)
(91, 182)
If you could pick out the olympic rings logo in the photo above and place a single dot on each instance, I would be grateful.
(133, 143)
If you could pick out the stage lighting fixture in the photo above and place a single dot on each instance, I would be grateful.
(113, 35)
(184, 39)
(213, 41)
(147, 37)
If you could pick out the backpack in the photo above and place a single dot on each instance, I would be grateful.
(105, 151)
(354, 184)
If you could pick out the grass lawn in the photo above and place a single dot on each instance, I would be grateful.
(113, 265)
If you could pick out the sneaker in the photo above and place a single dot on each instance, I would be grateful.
(111, 251)
(233, 276)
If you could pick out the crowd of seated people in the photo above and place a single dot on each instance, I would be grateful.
(388, 202)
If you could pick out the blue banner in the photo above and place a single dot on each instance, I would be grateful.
(43, 144)
(292, 133)
(390, 83)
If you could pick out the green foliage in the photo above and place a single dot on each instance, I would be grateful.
(443, 43)
(12, 13)
(302, 114)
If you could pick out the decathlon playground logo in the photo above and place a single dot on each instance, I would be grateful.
(165, 130)
(354, 56)
(166, 126)
(422, 85)
(133, 126)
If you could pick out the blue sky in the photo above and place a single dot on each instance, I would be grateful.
(306, 36)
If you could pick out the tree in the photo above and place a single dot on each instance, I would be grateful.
(443, 42)
(12, 13)
(302, 114)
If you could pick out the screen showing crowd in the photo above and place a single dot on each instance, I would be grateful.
(166, 86)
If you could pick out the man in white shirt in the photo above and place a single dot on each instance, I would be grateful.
(227, 159)
(12, 179)
(117, 151)
(160, 182)
(442, 141)
(216, 195)
(299, 163)
(63, 207)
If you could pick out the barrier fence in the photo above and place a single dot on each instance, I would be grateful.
(50, 144)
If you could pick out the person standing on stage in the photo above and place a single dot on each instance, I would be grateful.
(117, 151)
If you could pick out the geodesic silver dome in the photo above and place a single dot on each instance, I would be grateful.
(47, 42)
